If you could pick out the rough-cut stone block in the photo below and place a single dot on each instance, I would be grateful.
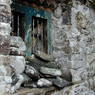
(37, 63)
(4, 59)
(44, 83)
(18, 63)
(6, 79)
(43, 56)
(31, 72)
(81, 20)
(3, 71)
(6, 62)
(5, 8)
(18, 43)
(78, 61)
(66, 73)
(4, 88)
(77, 89)
(79, 75)
(90, 58)
(5, 1)
(35, 91)
(5, 29)
(4, 45)
(83, 71)
(59, 82)
(5, 13)
(6, 18)
(16, 51)
(57, 12)
(92, 2)
(50, 71)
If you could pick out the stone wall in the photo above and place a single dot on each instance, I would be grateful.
(83, 26)
(5, 29)
(11, 50)
(73, 45)
(61, 20)
(74, 42)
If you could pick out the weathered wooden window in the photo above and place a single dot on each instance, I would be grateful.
(18, 25)
(39, 35)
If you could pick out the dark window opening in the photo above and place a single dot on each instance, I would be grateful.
(67, 16)
(18, 25)
(39, 35)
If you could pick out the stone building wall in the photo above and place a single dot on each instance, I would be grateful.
(74, 42)
(5, 29)
(82, 41)
(61, 20)
(11, 50)
(73, 46)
